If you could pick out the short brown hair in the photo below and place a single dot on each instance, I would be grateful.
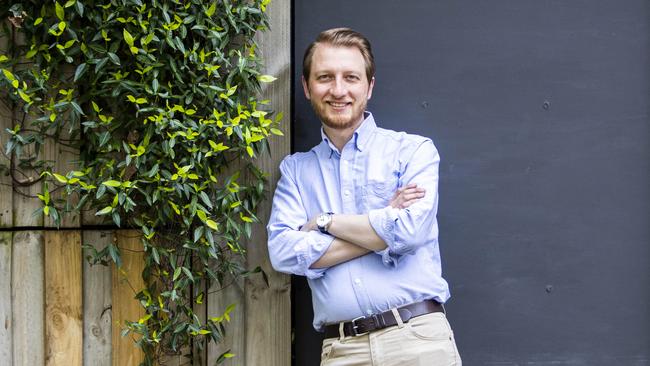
(341, 37)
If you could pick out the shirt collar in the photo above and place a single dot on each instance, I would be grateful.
(360, 137)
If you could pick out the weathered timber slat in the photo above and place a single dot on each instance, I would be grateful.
(235, 341)
(97, 314)
(63, 307)
(5, 298)
(127, 280)
(28, 302)
(25, 201)
(6, 115)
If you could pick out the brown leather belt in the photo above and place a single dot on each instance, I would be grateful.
(366, 324)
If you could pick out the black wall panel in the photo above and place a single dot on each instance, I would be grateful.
(540, 111)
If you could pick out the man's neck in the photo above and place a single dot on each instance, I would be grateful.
(340, 137)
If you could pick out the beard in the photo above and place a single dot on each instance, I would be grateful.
(339, 121)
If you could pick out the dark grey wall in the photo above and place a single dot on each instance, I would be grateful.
(540, 112)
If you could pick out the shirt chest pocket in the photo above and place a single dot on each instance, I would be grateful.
(377, 193)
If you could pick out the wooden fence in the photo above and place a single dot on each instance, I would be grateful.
(56, 309)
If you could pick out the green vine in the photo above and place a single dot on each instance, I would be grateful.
(160, 98)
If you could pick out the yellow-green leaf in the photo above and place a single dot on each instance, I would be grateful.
(228, 355)
(104, 211)
(267, 78)
(275, 131)
(211, 224)
(249, 150)
(24, 97)
(128, 38)
(8, 75)
(46, 210)
(60, 12)
(112, 183)
(211, 9)
(201, 214)
(60, 178)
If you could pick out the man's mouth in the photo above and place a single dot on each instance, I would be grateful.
(338, 104)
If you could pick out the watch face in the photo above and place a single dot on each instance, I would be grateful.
(321, 220)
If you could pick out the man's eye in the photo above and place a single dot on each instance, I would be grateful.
(353, 77)
(324, 77)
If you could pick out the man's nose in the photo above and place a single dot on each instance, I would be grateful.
(339, 88)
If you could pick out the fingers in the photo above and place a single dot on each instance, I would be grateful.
(407, 195)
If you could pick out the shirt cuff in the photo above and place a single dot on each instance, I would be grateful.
(383, 222)
(308, 252)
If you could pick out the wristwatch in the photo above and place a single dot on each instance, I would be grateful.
(323, 221)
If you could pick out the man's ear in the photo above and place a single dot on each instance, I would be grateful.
(305, 88)
(370, 86)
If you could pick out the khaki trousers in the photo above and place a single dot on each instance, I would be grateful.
(425, 340)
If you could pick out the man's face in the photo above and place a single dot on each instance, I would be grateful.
(338, 87)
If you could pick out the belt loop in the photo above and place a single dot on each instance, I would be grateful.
(342, 330)
(398, 318)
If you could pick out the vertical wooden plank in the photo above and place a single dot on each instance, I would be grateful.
(126, 280)
(97, 287)
(64, 158)
(25, 200)
(268, 309)
(5, 298)
(28, 303)
(235, 341)
(200, 356)
(63, 308)
(6, 115)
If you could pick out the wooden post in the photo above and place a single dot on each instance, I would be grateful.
(27, 294)
(126, 280)
(5, 297)
(97, 285)
(63, 308)
(268, 309)
(235, 341)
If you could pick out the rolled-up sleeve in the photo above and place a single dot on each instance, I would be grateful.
(405, 230)
(291, 250)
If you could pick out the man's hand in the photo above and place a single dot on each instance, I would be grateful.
(406, 196)
(310, 225)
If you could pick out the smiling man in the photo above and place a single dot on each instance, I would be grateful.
(356, 215)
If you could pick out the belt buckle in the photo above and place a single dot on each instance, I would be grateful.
(355, 327)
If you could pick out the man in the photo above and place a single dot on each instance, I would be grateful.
(356, 215)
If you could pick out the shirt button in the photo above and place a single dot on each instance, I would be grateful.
(368, 311)
(357, 281)
(346, 192)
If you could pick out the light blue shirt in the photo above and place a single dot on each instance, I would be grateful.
(361, 179)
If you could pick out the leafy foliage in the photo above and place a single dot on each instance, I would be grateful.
(161, 99)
